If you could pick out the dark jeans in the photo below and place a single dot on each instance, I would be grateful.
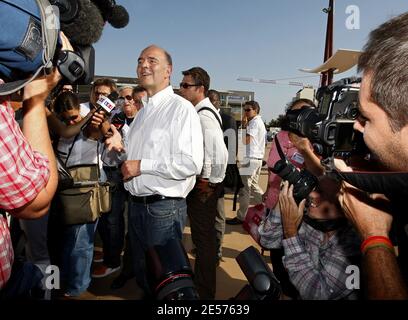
(112, 225)
(202, 213)
(153, 224)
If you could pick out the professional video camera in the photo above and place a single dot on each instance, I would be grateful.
(171, 278)
(330, 126)
(31, 44)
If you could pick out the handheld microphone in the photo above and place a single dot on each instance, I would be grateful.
(106, 104)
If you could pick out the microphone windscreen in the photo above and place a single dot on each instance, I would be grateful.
(87, 26)
(119, 18)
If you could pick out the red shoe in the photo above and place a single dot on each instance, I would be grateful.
(103, 271)
(98, 256)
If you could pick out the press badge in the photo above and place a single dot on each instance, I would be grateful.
(297, 157)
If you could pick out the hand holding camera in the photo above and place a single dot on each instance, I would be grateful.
(291, 213)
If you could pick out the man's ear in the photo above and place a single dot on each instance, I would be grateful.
(169, 71)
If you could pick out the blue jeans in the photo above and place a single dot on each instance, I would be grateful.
(77, 257)
(111, 225)
(150, 225)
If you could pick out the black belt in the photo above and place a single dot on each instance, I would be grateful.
(111, 168)
(152, 198)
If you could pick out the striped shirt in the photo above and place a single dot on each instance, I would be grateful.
(316, 265)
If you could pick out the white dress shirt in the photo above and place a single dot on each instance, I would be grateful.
(166, 136)
(215, 151)
(256, 129)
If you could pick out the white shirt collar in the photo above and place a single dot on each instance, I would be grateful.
(158, 97)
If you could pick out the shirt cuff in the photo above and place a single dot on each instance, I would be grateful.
(147, 165)
(292, 246)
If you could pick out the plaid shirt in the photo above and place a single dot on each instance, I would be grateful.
(317, 268)
(23, 172)
(6, 252)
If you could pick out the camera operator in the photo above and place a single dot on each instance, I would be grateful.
(28, 172)
(298, 149)
(318, 245)
(383, 121)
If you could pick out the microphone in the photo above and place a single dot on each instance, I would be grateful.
(81, 21)
(116, 15)
(106, 104)
(119, 17)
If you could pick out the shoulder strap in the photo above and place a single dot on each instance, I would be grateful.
(215, 115)
(70, 149)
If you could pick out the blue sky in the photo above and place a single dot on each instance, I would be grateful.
(264, 39)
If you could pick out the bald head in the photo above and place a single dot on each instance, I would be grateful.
(154, 68)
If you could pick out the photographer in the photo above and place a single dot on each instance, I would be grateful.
(318, 245)
(383, 121)
(297, 148)
(28, 175)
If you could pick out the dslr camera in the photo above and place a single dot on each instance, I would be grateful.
(330, 126)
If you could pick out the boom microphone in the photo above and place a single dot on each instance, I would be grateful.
(119, 17)
(81, 21)
(116, 15)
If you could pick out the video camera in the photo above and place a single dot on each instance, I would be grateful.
(170, 275)
(330, 126)
(30, 41)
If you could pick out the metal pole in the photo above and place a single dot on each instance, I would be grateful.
(327, 77)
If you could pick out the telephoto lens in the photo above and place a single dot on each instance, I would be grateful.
(303, 181)
(169, 272)
(263, 285)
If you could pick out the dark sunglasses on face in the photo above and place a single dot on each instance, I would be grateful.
(72, 118)
(187, 85)
(247, 110)
(128, 98)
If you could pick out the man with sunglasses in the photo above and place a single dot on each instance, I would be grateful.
(252, 163)
(202, 200)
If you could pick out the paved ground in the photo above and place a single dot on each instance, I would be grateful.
(230, 278)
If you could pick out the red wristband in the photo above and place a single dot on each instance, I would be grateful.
(375, 239)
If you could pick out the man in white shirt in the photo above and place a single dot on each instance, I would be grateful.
(202, 200)
(165, 154)
(252, 164)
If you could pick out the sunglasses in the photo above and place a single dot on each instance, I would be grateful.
(247, 110)
(187, 85)
(128, 98)
(72, 118)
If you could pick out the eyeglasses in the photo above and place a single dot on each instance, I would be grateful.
(247, 110)
(128, 97)
(187, 85)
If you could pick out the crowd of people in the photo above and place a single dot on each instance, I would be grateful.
(165, 159)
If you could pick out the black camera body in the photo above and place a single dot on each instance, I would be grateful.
(303, 181)
(330, 127)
